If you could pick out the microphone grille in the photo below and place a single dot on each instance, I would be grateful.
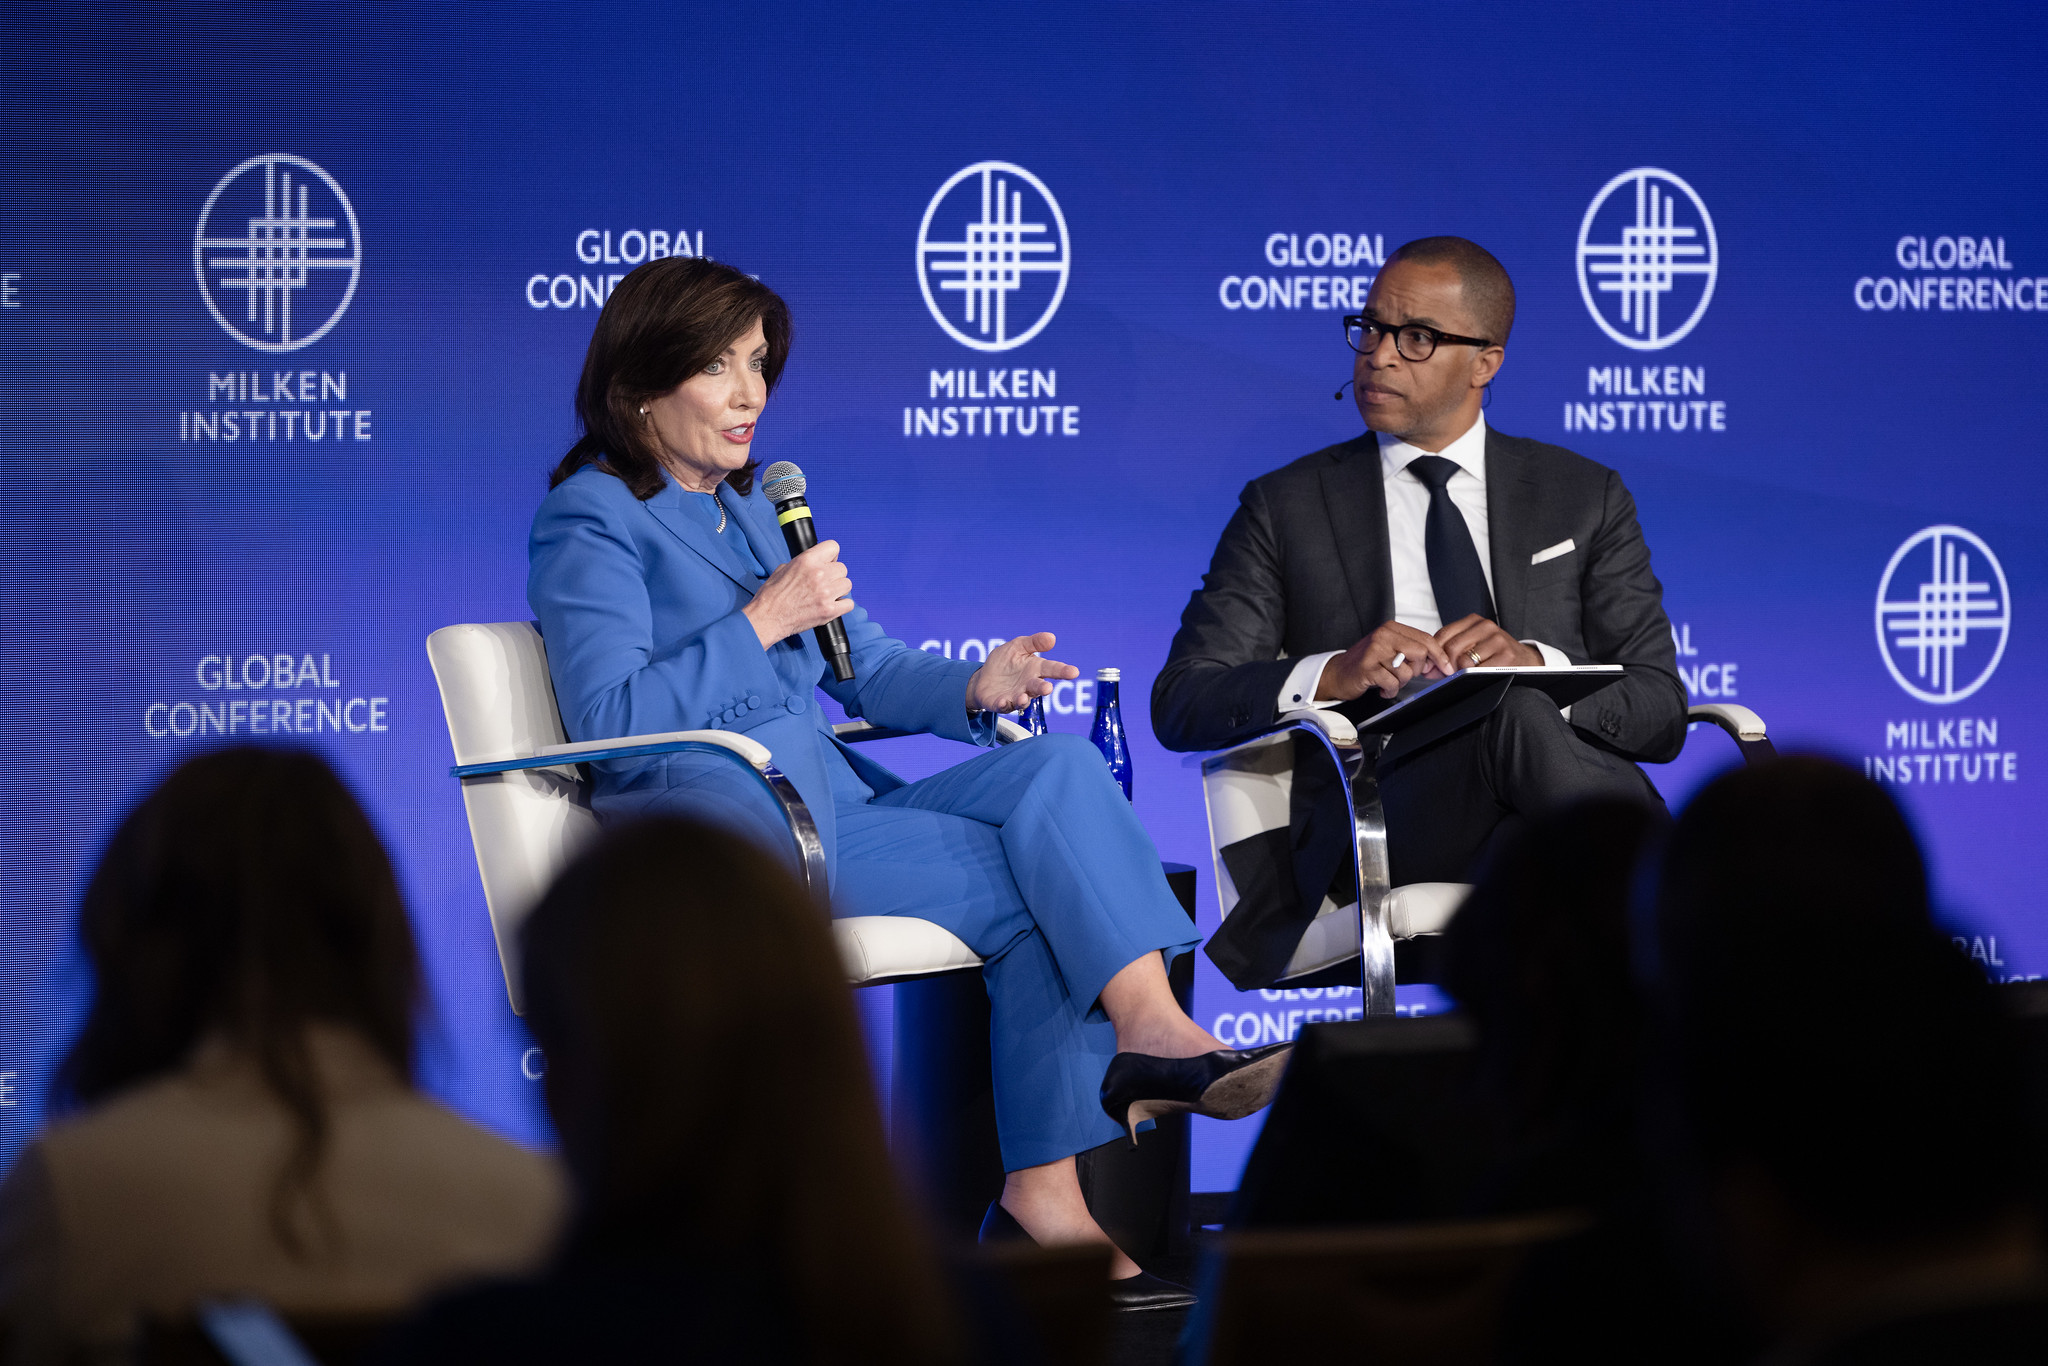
(783, 480)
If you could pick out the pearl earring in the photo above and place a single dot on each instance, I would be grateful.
(643, 412)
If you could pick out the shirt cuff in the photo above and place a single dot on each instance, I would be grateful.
(1553, 658)
(1300, 688)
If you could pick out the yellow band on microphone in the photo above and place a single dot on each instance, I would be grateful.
(785, 518)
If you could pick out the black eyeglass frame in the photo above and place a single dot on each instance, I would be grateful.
(1436, 336)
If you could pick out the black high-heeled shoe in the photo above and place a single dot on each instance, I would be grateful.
(1229, 1083)
(1129, 1295)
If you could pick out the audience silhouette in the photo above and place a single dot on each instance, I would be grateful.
(246, 1122)
(733, 1190)
(1840, 1089)
(1539, 959)
(1796, 1119)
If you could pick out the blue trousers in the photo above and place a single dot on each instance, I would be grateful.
(1031, 855)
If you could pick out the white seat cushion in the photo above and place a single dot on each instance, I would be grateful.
(1332, 937)
(1423, 907)
(880, 948)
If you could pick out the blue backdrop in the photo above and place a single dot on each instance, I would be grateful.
(292, 300)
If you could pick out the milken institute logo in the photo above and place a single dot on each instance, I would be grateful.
(276, 246)
(1006, 265)
(1649, 269)
(1949, 629)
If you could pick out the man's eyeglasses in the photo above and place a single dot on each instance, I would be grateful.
(1414, 341)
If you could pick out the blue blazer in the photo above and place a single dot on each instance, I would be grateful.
(639, 604)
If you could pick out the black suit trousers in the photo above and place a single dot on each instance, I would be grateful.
(1449, 803)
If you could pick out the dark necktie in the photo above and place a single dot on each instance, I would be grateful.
(1455, 574)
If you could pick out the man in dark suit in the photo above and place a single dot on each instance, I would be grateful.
(1427, 545)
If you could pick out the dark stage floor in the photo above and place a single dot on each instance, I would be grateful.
(1145, 1339)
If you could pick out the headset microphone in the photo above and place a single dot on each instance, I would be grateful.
(784, 484)
(1342, 387)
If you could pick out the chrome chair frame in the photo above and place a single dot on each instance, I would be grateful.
(803, 830)
(1356, 758)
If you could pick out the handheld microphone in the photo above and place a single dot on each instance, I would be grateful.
(1342, 387)
(784, 484)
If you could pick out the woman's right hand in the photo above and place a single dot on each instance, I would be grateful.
(808, 591)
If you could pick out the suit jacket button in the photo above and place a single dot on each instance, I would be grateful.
(753, 702)
(796, 705)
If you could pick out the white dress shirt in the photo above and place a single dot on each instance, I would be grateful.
(1407, 523)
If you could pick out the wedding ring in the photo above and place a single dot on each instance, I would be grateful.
(1397, 661)
(1473, 655)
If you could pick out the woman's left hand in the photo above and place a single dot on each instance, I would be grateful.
(1015, 673)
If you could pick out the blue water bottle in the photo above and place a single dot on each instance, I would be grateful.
(1032, 718)
(1108, 731)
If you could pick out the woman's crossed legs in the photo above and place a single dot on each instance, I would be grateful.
(1031, 854)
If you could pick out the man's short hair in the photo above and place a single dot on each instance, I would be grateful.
(1488, 290)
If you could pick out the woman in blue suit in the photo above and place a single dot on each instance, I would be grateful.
(668, 602)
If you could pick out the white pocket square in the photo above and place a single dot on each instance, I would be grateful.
(1564, 547)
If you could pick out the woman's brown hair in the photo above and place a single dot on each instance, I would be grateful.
(247, 898)
(698, 1117)
(662, 324)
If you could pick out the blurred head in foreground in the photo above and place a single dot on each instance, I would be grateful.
(245, 899)
(700, 1115)
(1844, 1082)
(1539, 957)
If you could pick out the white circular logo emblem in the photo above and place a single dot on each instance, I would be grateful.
(1943, 614)
(1647, 258)
(1000, 256)
(277, 253)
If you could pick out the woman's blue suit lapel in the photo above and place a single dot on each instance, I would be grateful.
(667, 508)
(766, 541)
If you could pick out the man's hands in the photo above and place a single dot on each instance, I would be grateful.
(1015, 673)
(1386, 660)
(1391, 656)
(1475, 641)
(808, 591)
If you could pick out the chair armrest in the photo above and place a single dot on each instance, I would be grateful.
(1744, 726)
(750, 752)
(1335, 726)
(1333, 730)
(1008, 732)
(860, 732)
(1738, 721)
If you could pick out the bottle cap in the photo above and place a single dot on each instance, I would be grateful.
(1109, 675)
